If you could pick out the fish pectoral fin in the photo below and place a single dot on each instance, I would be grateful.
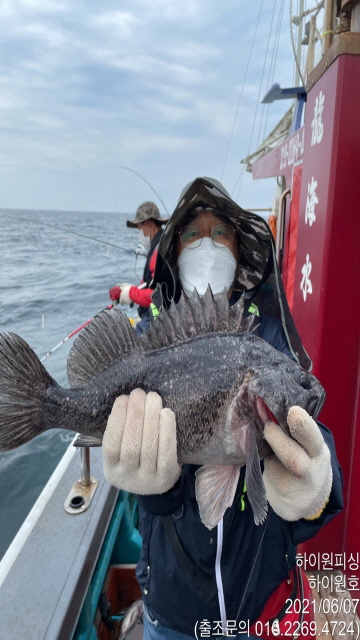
(87, 441)
(254, 481)
(215, 488)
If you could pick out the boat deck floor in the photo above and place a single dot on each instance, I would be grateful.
(43, 593)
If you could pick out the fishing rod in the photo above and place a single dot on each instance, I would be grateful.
(148, 183)
(110, 244)
(73, 333)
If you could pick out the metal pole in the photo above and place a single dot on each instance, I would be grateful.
(299, 39)
(355, 18)
(328, 23)
(85, 466)
(280, 224)
(311, 46)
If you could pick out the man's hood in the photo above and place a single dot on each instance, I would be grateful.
(253, 231)
(259, 277)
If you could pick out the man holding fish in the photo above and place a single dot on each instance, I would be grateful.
(234, 471)
(219, 541)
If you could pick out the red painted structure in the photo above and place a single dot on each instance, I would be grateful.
(321, 164)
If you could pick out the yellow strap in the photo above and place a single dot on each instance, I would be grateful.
(154, 310)
(254, 309)
(242, 497)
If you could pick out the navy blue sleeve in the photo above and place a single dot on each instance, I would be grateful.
(164, 504)
(272, 331)
(167, 503)
(302, 530)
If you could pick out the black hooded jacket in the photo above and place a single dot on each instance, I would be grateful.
(252, 560)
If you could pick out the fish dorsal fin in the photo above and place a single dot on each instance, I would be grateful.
(108, 338)
(237, 321)
(250, 323)
(196, 316)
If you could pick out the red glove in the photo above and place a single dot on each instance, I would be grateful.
(115, 293)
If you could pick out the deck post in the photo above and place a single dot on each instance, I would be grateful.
(85, 466)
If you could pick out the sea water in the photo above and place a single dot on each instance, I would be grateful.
(51, 282)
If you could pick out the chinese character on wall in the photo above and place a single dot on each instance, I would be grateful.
(311, 201)
(317, 126)
(306, 285)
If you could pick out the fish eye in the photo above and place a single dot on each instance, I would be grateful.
(304, 381)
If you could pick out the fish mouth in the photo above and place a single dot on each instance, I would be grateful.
(314, 407)
(264, 412)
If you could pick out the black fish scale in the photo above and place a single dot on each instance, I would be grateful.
(198, 379)
(210, 380)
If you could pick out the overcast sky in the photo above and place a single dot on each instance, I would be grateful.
(154, 85)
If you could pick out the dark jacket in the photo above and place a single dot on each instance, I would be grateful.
(254, 559)
(147, 277)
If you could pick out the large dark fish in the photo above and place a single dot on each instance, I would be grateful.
(222, 381)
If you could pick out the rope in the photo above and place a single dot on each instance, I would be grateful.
(316, 10)
(240, 184)
(274, 58)
(242, 90)
(293, 43)
(272, 67)
(319, 6)
(266, 52)
(239, 178)
(254, 121)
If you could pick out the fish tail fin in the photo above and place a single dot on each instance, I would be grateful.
(23, 382)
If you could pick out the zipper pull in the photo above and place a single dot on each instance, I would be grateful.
(275, 627)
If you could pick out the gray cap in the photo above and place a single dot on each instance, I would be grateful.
(146, 211)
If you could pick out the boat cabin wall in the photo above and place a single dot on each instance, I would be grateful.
(321, 237)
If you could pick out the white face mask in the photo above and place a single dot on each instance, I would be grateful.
(208, 264)
(144, 240)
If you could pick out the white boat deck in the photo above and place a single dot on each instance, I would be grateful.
(46, 583)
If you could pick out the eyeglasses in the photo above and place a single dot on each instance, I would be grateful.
(192, 235)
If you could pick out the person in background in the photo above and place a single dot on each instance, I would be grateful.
(227, 579)
(149, 222)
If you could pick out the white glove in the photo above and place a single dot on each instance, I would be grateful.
(124, 295)
(139, 445)
(298, 478)
(141, 251)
